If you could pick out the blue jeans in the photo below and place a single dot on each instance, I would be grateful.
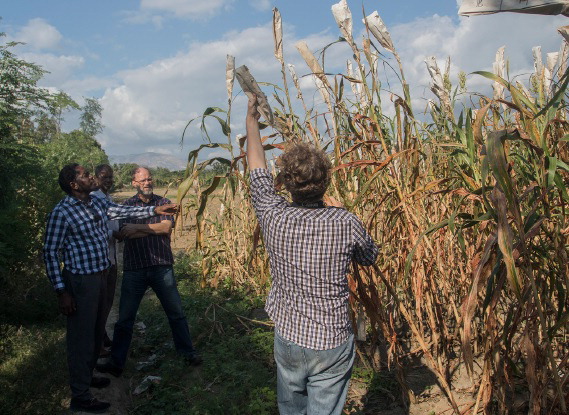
(312, 381)
(134, 284)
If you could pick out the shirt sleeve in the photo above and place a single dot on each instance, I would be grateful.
(55, 234)
(365, 250)
(263, 193)
(115, 212)
(171, 218)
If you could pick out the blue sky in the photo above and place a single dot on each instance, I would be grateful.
(155, 64)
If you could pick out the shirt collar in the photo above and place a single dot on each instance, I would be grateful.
(74, 201)
(313, 205)
(135, 198)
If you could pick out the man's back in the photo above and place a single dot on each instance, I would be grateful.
(310, 251)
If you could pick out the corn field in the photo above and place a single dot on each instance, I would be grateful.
(467, 203)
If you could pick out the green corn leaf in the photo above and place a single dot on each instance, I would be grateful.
(551, 168)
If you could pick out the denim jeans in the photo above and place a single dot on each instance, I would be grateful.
(311, 381)
(134, 284)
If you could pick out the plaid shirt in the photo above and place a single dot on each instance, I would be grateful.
(80, 230)
(310, 251)
(149, 250)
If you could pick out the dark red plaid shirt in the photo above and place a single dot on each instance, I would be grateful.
(152, 249)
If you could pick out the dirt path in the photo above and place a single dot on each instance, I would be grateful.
(118, 392)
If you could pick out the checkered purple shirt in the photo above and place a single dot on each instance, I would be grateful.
(310, 251)
(77, 233)
(152, 249)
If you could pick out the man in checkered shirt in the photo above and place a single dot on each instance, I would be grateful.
(76, 234)
(310, 246)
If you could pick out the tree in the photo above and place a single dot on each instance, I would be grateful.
(74, 147)
(91, 117)
(62, 103)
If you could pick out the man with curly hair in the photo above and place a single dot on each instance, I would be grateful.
(310, 245)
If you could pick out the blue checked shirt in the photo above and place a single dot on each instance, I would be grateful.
(79, 231)
(310, 251)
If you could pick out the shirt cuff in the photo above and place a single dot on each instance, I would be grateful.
(258, 173)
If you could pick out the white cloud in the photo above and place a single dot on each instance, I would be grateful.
(60, 67)
(154, 103)
(39, 34)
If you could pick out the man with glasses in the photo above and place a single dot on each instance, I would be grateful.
(147, 261)
(76, 234)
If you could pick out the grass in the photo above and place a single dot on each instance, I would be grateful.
(238, 374)
(33, 371)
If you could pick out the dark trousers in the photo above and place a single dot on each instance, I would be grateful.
(134, 284)
(111, 287)
(85, 329)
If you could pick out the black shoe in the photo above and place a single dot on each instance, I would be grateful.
(100, 382)
(109, 367)
(92, 405)
(193, 359)
(104, 353)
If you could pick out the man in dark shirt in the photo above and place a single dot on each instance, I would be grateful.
(147, 262)
(76, 234)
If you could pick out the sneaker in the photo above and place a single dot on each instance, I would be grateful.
(100, 382)
(92, 405)
(193, 359)
(109, 367)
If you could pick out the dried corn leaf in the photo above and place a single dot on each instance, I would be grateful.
(323, 91)
(229, 76)
(549, 70)
(278, 35)
(312, 62)
(378, 29)
(438, 83)
(343, 17)
(564, 31)
(295, 80)
(506, 240)
(320, 79)
(500, 70)
(563, 57)
(250, 86)
(357, 87)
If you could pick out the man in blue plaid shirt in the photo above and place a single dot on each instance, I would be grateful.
(76, 235)
(311, 246)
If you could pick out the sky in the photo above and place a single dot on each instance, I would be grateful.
(156, 64)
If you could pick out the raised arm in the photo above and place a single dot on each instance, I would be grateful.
(255, 152)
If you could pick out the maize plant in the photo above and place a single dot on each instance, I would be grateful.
(468, 204)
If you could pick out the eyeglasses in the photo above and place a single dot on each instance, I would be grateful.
(143, 180)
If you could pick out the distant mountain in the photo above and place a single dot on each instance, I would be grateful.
(151, 160)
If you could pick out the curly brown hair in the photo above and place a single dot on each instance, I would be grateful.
(305, 172)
